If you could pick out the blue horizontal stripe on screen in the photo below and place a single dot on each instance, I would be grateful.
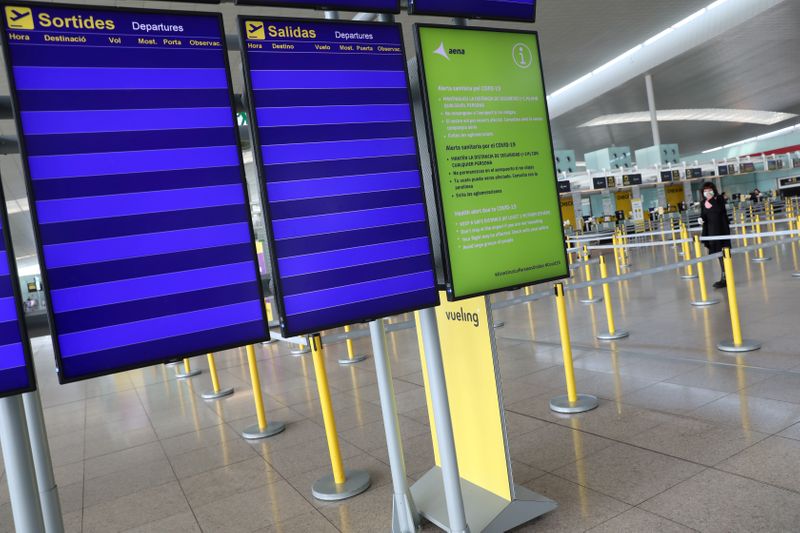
(355, 274)
(87, 230)
(9, 331)
(291, 98)
(11, 356)
(76, 78)
(55, 189)
(335, 132)
(79, 165)
(301, 227)
(138, 354)
(66, 56)
(350, 257)
(99, 121)
(121, 99)
(348, 114)
(329, 169)
(8, 310)
(75, 276)
(100, 250)
(303, 303)
(307, 189)
(88, 143)
(115, 292)
(327, 79)
(120, 205)
(110, 315)
(158, 328)
(352, 313)
(333, 150)
(343, 204)
(288, 62)
(364, 237)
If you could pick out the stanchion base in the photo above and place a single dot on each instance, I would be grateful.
(326, 489)
(561, 404)
(184, 375)
(271, 341)
(354, 360)
(761, 259)
(688, 277)
(705, 303)
(217, 395)
(300, 351)
(796, 274)
(498, 325)
(588, 301)
(746, 346)
(173, 363)
(607, 336)
(254, 432)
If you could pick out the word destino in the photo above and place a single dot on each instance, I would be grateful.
(463, 316)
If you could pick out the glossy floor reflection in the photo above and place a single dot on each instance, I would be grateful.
(686, 438)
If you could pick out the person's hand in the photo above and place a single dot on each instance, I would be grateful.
(700, 221)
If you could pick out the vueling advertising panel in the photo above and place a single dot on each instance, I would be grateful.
(494, 165)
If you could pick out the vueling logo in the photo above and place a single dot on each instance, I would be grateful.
(463, 316)
(19, 18)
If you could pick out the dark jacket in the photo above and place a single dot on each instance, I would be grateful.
(715, 222)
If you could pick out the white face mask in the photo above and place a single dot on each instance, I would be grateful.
(708, 194)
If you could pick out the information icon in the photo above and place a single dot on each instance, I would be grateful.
(523, 57)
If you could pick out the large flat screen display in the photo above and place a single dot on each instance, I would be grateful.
(515, 10)
(16, 368)
(136, 184)
(370, 6)
(339, 167)
(493, 159)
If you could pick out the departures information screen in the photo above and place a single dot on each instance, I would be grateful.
(16, 369)
(517, 10)
(370, 6)
(340, 170)
(490, 133)
(136, 182)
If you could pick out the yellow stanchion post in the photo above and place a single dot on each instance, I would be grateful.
(796, 274)
(590, 297)
(760, 257)
(263, 428)
(615, 243)
(687, 255)
(738, 344)
(613, 333)
(572, 402)
(704, 301)
(744, 230)
(187, 370)
(569, 254)
(217, 392)
(626, 258)
(352, 357)
(340, 484)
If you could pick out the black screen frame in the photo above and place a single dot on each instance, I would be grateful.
(445, 249)
(32, 197)
(262, 180)
(323, 6)
(412, 10)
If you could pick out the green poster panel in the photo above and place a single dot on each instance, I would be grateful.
(492, 153)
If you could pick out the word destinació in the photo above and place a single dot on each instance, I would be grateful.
(463, 316)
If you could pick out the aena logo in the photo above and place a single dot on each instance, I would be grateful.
(446, 53)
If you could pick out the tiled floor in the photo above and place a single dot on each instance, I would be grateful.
(686, 438)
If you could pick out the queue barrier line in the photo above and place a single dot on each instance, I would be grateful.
(578, 264)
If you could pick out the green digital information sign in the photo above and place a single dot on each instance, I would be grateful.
(493, 162)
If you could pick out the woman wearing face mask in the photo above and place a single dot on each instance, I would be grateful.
(714, 218)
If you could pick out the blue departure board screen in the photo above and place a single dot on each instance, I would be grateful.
(136, 184)
(340, 171)
(369, 6)
(16, 369)
(515, 10)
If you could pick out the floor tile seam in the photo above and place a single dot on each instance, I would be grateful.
(665, 517)
(614, 440)
(149, 487)
(83, 470)
(174, 473)
(761, 481)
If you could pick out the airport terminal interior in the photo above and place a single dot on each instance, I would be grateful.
(381, 265)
